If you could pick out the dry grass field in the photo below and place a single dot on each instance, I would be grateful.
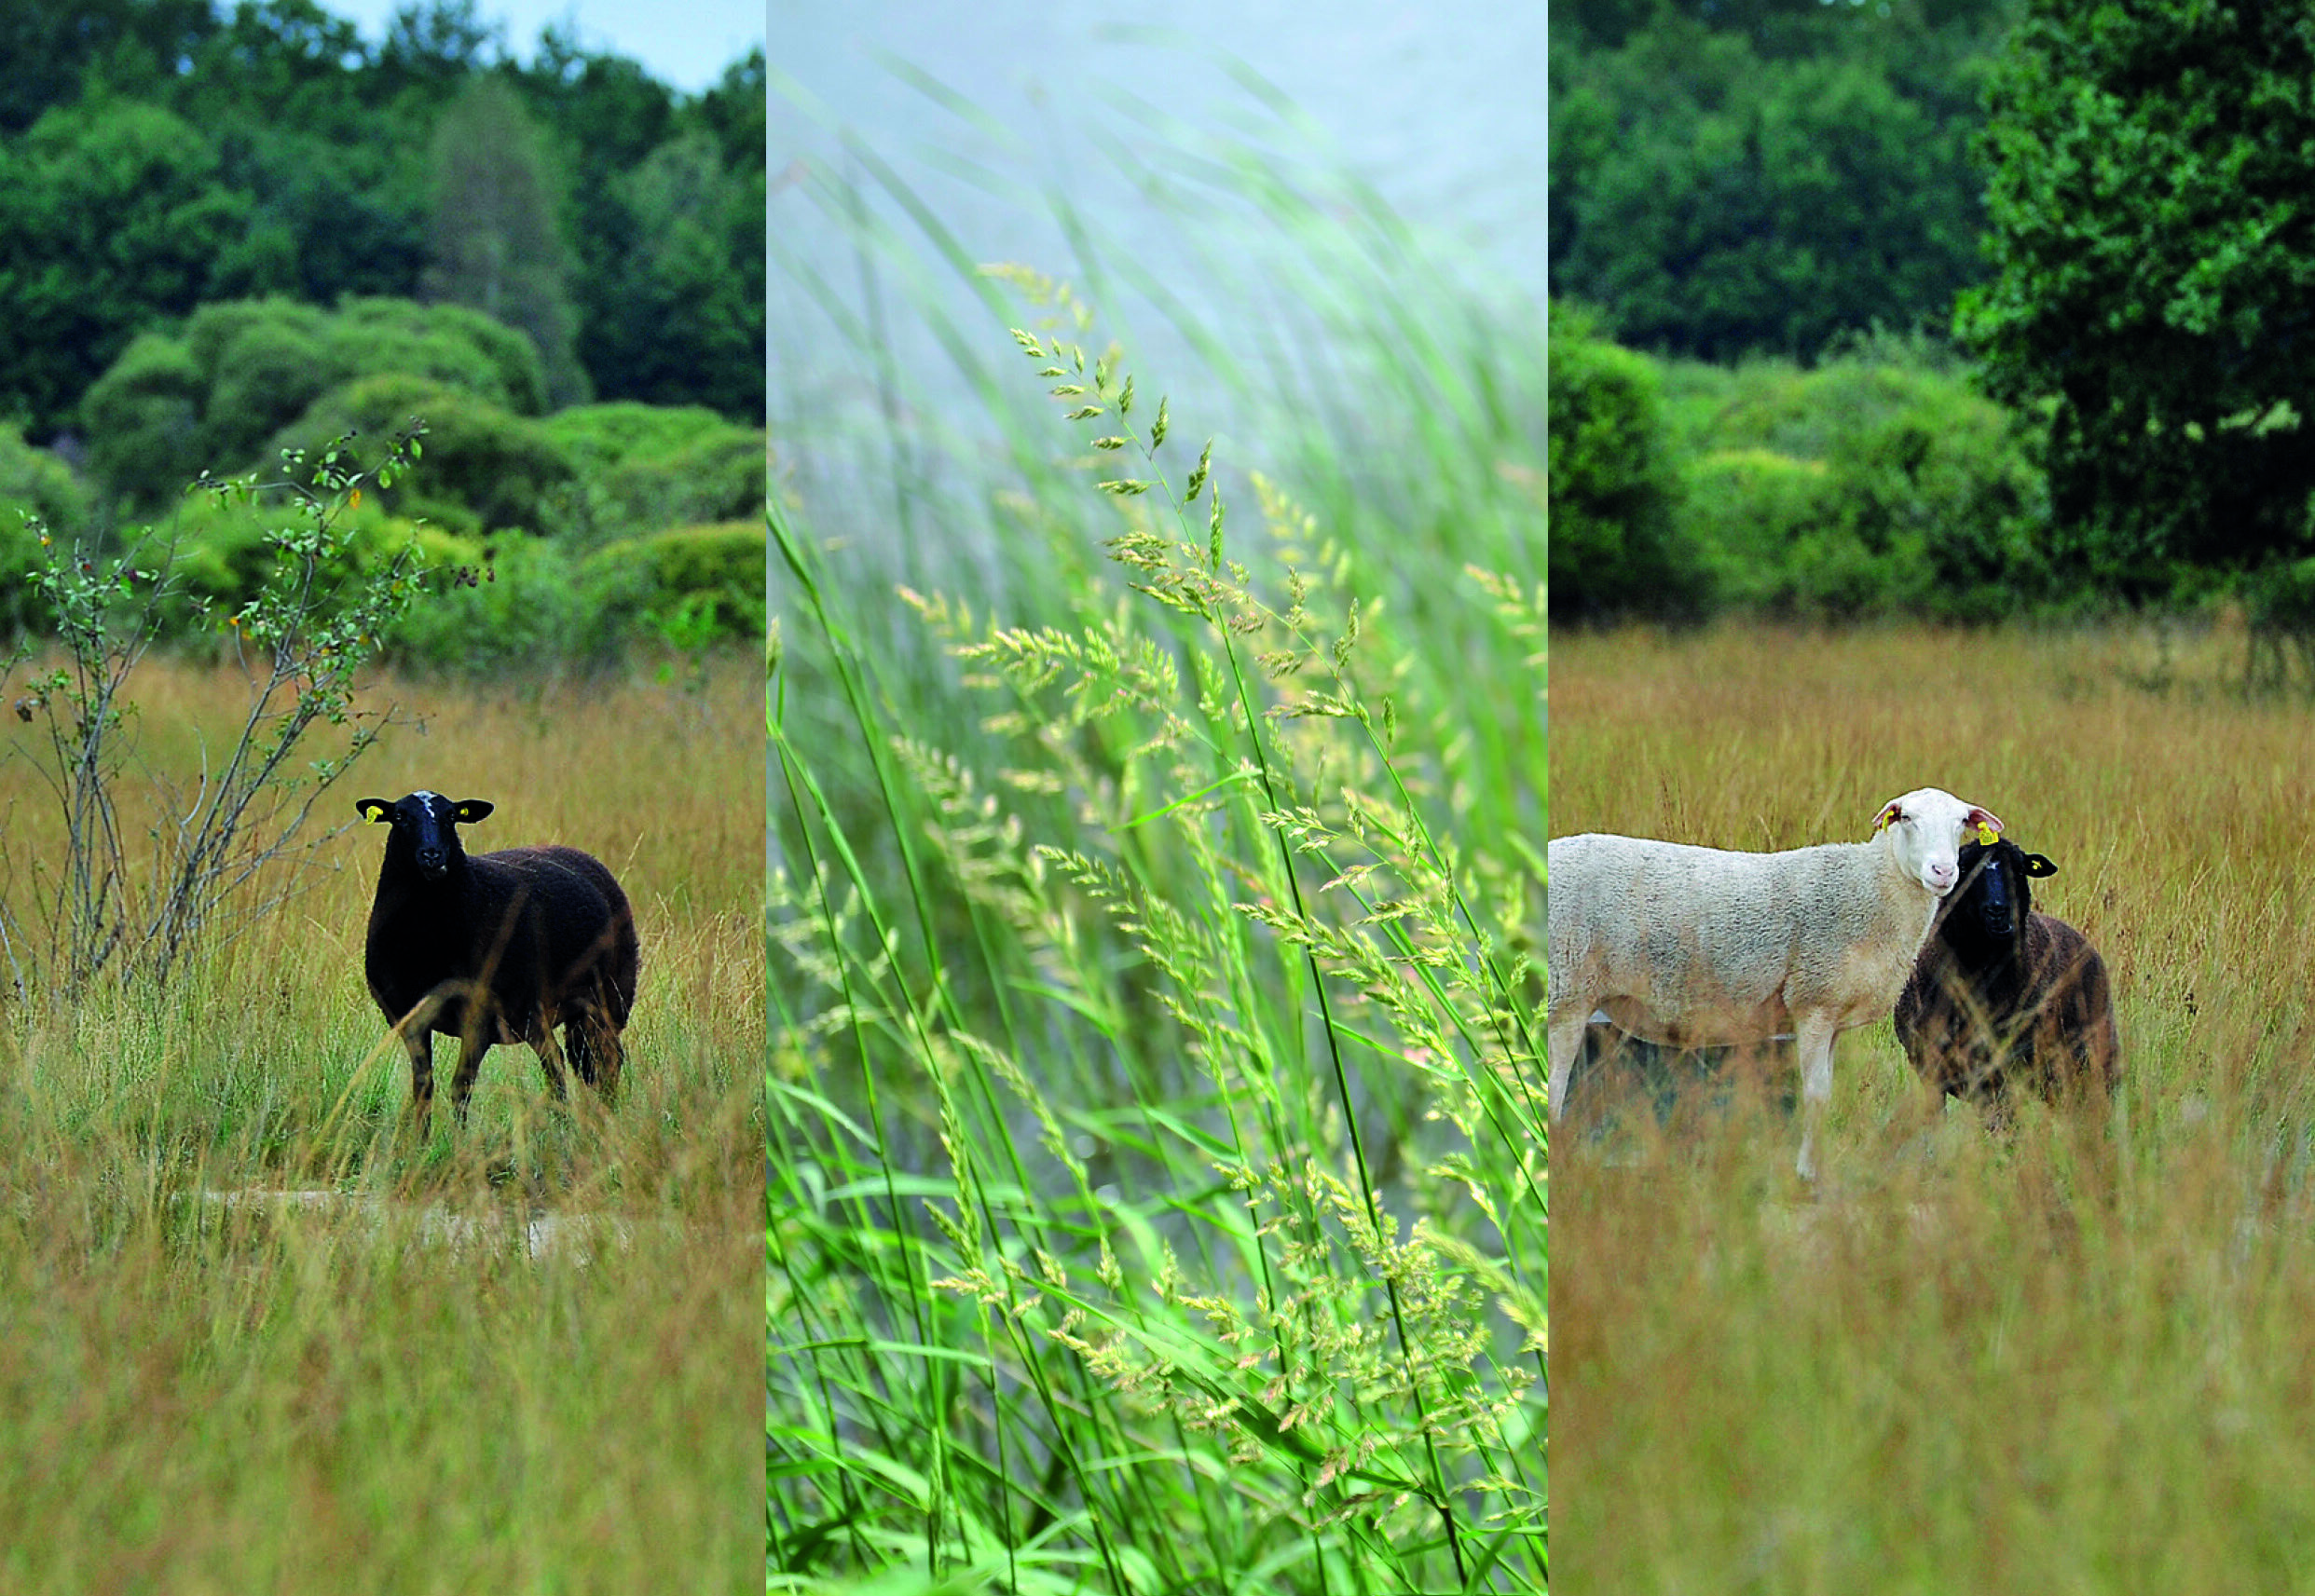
(254, 1337)
(2079, 1359)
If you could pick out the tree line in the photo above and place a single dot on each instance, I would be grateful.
(156, 156)
(1976, 308)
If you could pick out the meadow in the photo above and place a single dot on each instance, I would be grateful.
(2077, 1359)
(254, 1335)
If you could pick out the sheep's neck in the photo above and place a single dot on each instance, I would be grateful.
(401, 882)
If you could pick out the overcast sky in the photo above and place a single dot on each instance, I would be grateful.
(685, 43)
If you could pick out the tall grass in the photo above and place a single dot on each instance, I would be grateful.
(2071, 1359)
(253, 1337)
(1158, 1139)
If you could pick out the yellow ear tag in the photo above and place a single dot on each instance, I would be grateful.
(1986, 834)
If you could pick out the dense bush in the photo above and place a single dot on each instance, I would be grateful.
(485, 469)
(36, 490)
(1614, 544)
(220, 554)
(238, 373)
(647, 468)
(1878, 483)
(527, 606)
(689, 587)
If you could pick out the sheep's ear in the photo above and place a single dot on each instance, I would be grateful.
(469, 811)
(1890, 812)
(1989, 824)
(2039, 864)
(378, 811)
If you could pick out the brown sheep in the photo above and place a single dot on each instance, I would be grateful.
(2001, 993)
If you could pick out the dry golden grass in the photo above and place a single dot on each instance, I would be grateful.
(2080, 1359)
(526, 1356)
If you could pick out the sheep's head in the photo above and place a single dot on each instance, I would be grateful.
(425, 825)
(1987, 914)
(1926, 828)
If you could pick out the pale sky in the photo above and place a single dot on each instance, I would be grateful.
(685, 43)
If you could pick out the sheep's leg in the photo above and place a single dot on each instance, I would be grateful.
(472, 1046)
(419, 1044)
(593, 1044)
(1815, 1035)
(611, 1057)
(579, 1047)
(1563, 1039)
(551, 1059)
(594, 1036)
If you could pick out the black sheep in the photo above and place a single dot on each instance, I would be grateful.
(2001, 992)
(496, 947)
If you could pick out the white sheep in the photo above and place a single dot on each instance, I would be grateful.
(1696, 946)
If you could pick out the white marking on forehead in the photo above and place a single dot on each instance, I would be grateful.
(429, 796)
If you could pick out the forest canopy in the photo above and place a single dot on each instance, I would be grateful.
(159, 155)
(1971, 310)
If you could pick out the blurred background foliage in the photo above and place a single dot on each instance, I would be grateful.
(1963, 311)
(229, 231)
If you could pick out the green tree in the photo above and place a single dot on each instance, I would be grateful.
(111, 213)
(438, 44)
(1710, 202)
(678, 312)
(339, 203)
(498, 241)
(50, 47)
(2149, 170)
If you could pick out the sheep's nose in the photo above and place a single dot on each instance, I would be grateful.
(1941, 877)
(430, 858)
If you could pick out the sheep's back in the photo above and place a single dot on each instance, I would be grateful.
(1730, 942)
(2077, 1010)
(558, 907)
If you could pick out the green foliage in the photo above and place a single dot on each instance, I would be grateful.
(487, 468)
(40, 500)
(212, 395)
(2155, 279)
(1614, 544)
(497, 244)
(520, 608)
(1878, 484)
(677, 312)
(687, 588)
(163, 154)
(1719, 189)
(224, 547)
(54, 46)
(646, 468)
(110, 215)
(37, 483)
